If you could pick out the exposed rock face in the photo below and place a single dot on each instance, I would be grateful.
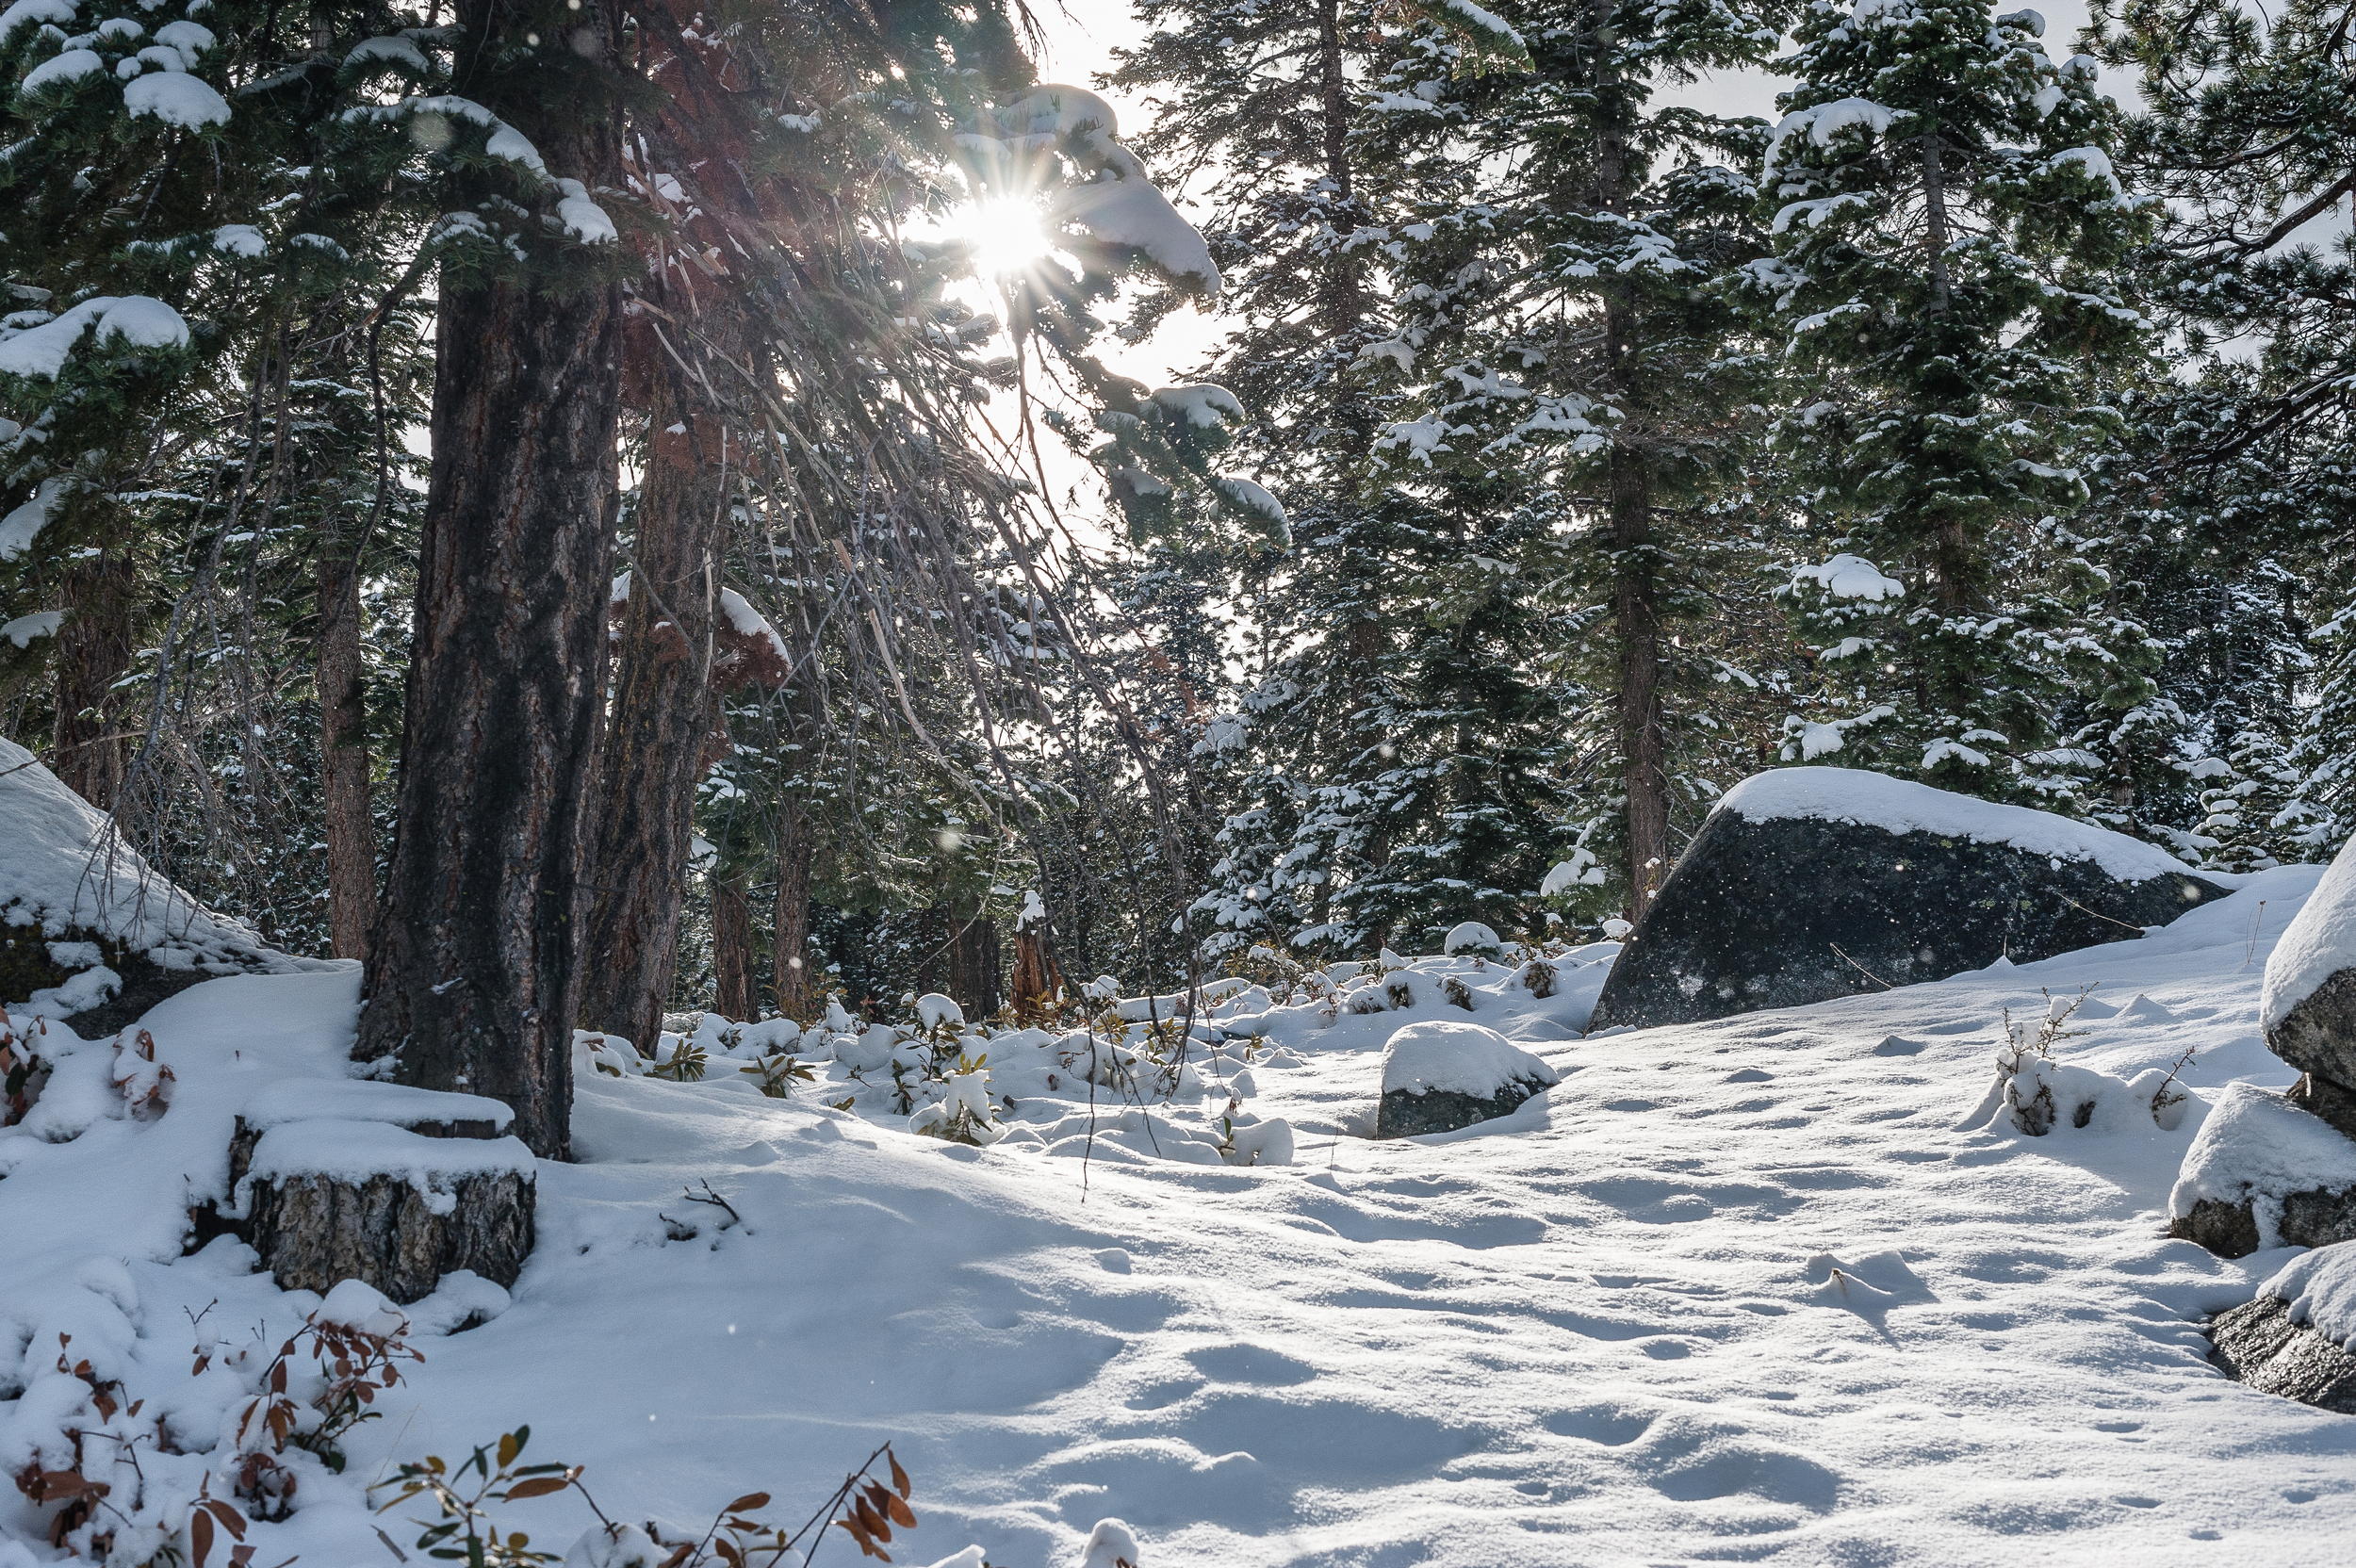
(2318, 1036)
(1776, 908)
(2259, 1345)
(2307, 1005)
(1406, 1115)
(2230, 1230)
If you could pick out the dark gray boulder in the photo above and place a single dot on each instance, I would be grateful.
(2263, 1171)
(2258, 1344)
(1812, 883)
(1440, 1076)
(1405, 1114)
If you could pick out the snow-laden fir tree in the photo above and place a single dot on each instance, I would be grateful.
(2248, 133)
(1945, 290)
(1561, 335)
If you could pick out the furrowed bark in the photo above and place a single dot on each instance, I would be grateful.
(734, 995)
(351, 829)
(472, 978)
(661, 715)
(95, 649)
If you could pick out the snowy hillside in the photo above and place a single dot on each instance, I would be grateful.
(1787, 1285)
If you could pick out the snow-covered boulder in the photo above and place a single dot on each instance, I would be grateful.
(2260, 1172)
(2292, 1339)
(89, 931)
(1438, 1077)
(2308, 1006)
(1811, 883)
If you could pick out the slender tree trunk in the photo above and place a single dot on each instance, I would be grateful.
(1938, 229)
(795, 842)
(662, 713)
(95, 646)
(344, 757)
(733, 993)
(1635, 603)
(473, 980)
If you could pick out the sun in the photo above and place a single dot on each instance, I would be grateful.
(1007, 235)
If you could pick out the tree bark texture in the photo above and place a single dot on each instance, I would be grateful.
(662, 710)
(796, 845)
(1036, 977)
(344, 757)
(95, 649)
(473, 978)
(973, 964)
(1637, 620)
(734, 996)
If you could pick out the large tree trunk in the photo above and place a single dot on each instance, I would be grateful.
(662, 715)
(733, 993)
(95, 649)
(973, 964)
(344, 757)
(473, 979)
(795, 842)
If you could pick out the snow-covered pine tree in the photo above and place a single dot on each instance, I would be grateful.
(1948, 233)
(1561, 335)
(2248, 133)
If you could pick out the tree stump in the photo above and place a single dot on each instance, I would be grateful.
(401, 1188)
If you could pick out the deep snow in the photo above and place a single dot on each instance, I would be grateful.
(1741, 1290)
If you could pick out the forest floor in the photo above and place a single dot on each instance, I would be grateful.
(1763, 1288)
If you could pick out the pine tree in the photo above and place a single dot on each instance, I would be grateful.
(1564, 336)
(1948, 232)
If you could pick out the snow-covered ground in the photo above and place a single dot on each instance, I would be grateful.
(1785, 1285)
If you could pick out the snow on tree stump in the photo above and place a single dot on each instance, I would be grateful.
(2262, 1173)
(1808, 884)
(2307, 1005)
(1439, 1077)
(351, 1180)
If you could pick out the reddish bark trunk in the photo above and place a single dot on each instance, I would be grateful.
(795, 846)
(351, 827)
(734, 995)
(662, 710)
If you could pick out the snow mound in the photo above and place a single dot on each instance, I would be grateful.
(360, 1100)
(2319, 943)
(2256, 1145)
(2321, 1288)
(1458, 1058)
(1895, 806)
(1471, 936)
(58, 872)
